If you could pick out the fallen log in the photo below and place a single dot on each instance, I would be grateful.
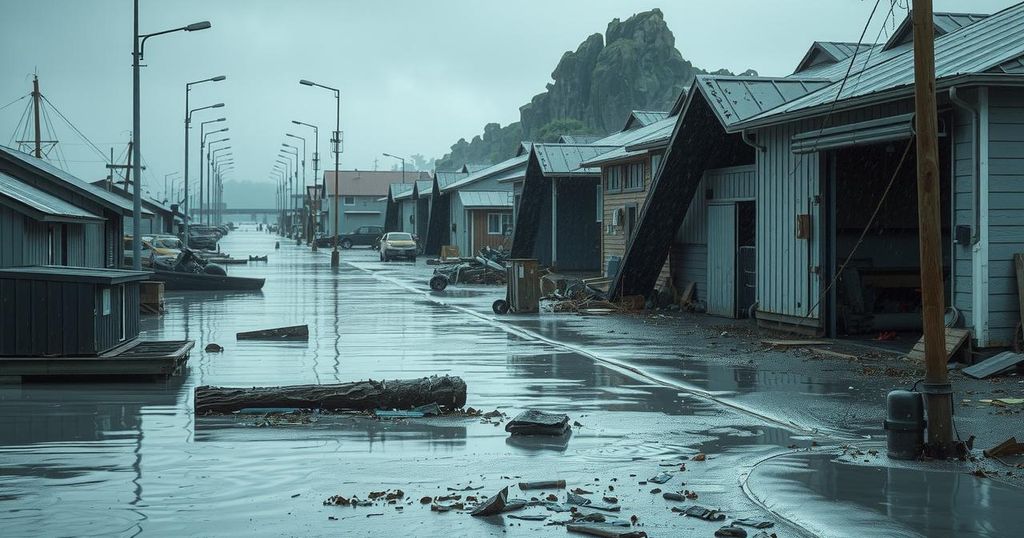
(296, 332)
(448, 392)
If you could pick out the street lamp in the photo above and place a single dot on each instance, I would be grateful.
(209, 149)
(314, 204)
(202, 145)
(166, 176)
(188, 125)
(293, 152)
(138, 48)
(403, 163)
(336, 140)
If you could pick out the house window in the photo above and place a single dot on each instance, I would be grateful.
(613, 179)
(655, 163)
(634, 176)
(350, 200)
(499, 223)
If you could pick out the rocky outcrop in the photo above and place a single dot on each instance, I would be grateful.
(634, 66)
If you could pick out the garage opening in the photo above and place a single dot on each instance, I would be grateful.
(878, 292)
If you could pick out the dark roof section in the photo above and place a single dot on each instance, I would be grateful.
(83, 188)
(945, 23)
(643, 118)
(39, 205)
(829, 52)
(60, 273)
(735, 99)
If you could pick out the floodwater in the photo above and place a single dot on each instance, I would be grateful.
(132, 459)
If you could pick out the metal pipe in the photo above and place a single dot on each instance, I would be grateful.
(745, 135)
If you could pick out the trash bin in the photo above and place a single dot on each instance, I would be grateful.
(523, 286)
(905, 424)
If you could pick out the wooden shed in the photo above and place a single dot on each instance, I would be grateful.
(52, 310)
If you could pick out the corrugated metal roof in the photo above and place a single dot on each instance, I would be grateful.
(515, 174)
(659, 130)
(735, 99)
(827, 53)
(447, 178)
(369, 182)
(623, 138)
(63, 273)
(424, 188)
(970, 50)
(578, 139)
(44, 203)
(565, 159)
(473, 199)
(945, 23)
(400, 190)
(645, 117)
(470, 168)
(82, 187)
(524, 148)
(1011, 67)
(491, 171)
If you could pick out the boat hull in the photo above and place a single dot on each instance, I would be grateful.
(174, 281)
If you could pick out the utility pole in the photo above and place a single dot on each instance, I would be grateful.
(937, 388)
(35, 105)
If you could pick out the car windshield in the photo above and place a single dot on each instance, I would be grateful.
(167, 243)
(399, 237)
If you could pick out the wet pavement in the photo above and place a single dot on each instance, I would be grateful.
(131, 459)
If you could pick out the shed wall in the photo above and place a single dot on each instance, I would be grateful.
(963, 179)
(1006, 210)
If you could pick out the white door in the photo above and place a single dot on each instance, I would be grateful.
(721, 292)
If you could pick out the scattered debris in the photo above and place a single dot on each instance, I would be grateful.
(706, 514)
(296, 332)
(529, 517)
(579, 500)
(428, 410)
(661, 478)
(487, 268)
(731, 532)
(1009, 447)
(466, 488)
(535, 422)
(673, 496)
(257, 258)
(700, 457)
(755, 523)
(214, 348)
(956, 340)
(605, 531)
(550, 484)
(794, 343)
(994, 365)
(492, 506)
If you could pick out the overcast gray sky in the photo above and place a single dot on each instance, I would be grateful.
(415, 75)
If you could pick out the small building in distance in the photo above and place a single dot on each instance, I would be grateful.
(362, 197)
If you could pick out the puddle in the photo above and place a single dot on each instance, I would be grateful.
(840, 499)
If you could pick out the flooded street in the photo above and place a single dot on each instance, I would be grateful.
(132, 459)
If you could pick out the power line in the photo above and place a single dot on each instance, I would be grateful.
(75, 129)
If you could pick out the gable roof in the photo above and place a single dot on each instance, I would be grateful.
(491, 171)
(566, 159)
(369, 182)
(829, 52)
(39, 205)
(945, 23)
(735, 99)
(649, 137)
(643, 118)
(447, 178)
(82, 188)
(398, 191)
(424, 188)
(470, 168)
(578, 139)
(974, 49)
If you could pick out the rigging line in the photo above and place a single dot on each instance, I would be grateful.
(867, 228)
(15, 135)
(15, 101)
(842, 84)
(66, 120)
(56, 149)
(871, 51)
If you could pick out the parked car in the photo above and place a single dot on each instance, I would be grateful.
(397, 245)
(364, 236)
(164, 245)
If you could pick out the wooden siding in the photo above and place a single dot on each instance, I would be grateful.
(12, 237)
(613, 237)
(481, 238)
(963, 185)
(1006, 210)
(690, 264)
(46, 318)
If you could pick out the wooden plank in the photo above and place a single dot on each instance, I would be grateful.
(296, 332)
(955, 340)
(795, 343)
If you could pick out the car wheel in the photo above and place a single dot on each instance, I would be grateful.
(346, 244)
(500, 306)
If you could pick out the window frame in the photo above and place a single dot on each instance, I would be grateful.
(345, 200)
(633, 179)
(613, 179)
(499, 220)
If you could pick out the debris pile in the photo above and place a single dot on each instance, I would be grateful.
(575, 295)
(486, 268)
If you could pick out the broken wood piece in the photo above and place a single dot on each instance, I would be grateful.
(994, 365)
(549, 484)
(494, 505)
(834, 354)
(297, 332)
(687, 296)
(605, 530)
(794, 343)
(955, 340)
(1009, 447)
(448, 392)
(535, 422)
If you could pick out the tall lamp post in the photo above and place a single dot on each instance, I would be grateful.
(188, 125)
(336, 140)
(166, 184)
(403, 163)
(202, 145)
(292, 151)
(314, 204)
(211, 160)
(221, 168)
(298, 239)
(138, 51)
(204, 163)
(286, 173)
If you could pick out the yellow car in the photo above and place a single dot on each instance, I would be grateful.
(397, 245)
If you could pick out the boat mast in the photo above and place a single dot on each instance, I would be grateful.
(35, 105)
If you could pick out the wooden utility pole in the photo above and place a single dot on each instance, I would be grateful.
(937, 389)
(35, 105)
